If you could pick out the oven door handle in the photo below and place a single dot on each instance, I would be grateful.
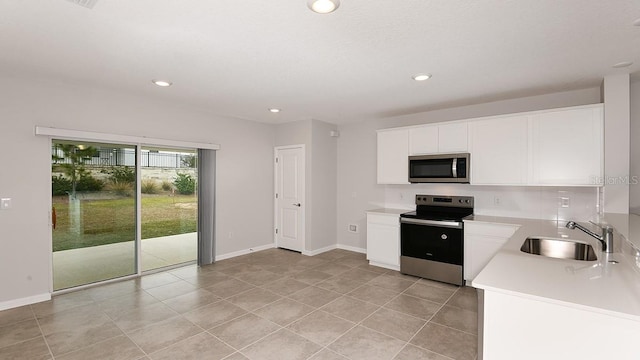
(447, 224)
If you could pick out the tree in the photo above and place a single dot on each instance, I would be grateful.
(189, 161)
(77, 155)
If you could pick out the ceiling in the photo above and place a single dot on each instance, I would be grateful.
(239, 58)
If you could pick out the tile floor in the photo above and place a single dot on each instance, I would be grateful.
(273, 304)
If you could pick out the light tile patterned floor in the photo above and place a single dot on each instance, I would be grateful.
(273, 304)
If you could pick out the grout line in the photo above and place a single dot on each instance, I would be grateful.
(428, 321)
(172, 345)
(254, 262)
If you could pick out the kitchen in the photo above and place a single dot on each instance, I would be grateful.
(346, 165)
(486, 235)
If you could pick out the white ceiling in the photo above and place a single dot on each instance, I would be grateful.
(240, 57)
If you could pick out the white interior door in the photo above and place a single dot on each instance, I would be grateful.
(290, 205)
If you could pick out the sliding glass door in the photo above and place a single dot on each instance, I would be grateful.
(93, 188)
(169, 207)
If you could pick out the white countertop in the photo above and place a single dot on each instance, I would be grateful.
(599, 286)
(385, 211)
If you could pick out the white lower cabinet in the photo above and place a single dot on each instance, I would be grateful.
(514, 326)
(481, 242)
(383, 240)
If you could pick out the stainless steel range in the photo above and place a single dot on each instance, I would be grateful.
(432, 238)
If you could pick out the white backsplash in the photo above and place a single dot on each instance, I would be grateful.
(507, 201)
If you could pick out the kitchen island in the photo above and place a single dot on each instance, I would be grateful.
(535, 307)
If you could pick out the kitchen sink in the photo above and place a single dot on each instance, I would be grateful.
(559, 248)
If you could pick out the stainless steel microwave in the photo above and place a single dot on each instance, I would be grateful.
(440, 168)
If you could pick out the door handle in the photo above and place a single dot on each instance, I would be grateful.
(298, 204)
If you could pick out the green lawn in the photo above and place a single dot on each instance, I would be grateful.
(108, 221)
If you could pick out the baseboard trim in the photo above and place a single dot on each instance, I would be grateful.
(307, 253)
(352, 248)
(244, 252)
(10, 304)
(319, 251)
(383, 265)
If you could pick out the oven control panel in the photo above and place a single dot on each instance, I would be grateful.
(437, 200)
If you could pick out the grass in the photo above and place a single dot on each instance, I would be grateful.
(107, 221)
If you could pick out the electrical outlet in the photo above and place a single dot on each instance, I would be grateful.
(564, 202)
(5, 204)
(353, 228)
(497, 201)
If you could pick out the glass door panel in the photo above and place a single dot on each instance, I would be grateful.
(94, 212)
(169, 207)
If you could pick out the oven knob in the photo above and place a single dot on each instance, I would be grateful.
(468, 201)
(444, 237)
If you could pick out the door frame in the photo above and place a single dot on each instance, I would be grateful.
(276, 200)
(139, 142)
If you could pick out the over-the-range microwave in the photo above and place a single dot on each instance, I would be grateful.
(440, 168)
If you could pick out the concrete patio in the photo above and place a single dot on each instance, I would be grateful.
(87, 265)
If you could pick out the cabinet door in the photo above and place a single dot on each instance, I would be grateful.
(482, 249)
(499, 151)
(452, 138)
(423, 140)
(567, 147)
(393, 157)
(383, 244)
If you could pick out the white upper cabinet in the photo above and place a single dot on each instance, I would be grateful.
(439, 138)
(499, 151)
(558, 147)
(423, 140)
(393, 156)
(453, 138)
(566, 147)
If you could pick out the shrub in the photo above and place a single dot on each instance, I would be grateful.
(185, 184)
(167, 185)
(122, 189)
(149, 187)
(89, 183)
(121, 174)
(60, 185)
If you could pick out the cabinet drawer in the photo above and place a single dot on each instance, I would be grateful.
(496, 230)
(392, 220)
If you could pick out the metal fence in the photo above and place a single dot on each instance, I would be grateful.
(127, 157)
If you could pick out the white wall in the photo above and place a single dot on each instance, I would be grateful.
(634, 165)
(243, 193)
(358, 191)
(320, 172)
(530, 202)
(323, 182)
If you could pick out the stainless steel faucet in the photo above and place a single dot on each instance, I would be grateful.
(606, 239)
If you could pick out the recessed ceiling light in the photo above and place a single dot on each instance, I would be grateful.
(323, 6)
(162, 83)
(421, 77)
(622, 64)
(274, 110)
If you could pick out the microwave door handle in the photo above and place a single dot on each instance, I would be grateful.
(454, 167)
